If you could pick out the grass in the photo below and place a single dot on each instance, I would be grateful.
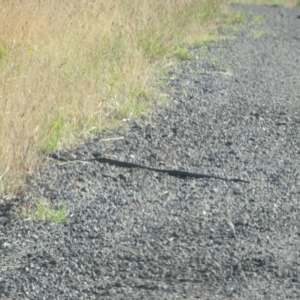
(43, 211)
(259, 33)
(182, 53)
(214, 60)
(260, 19)
(69, 69)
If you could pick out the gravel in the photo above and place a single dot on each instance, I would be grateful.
(137, 234)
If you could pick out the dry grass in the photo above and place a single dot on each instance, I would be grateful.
(70, 68)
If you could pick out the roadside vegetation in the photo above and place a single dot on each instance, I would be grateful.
(69, 69)
(44, 211)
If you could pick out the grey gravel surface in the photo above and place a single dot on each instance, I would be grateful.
(137, 234)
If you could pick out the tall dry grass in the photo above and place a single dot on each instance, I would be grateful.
(69, 68)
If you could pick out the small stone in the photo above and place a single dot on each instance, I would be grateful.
(7, 246)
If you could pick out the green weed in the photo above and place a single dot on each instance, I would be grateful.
(259, 33)
(3, 55)
(164, 99)
(260, 19)
(214, 60)
(53, 136)
(205, 40)
(182, 53)
(45, 212)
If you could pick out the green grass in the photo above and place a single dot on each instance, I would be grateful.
(260, 19)
(205, 40)
(214, 60)
(3, 55)
(223, 50)
(164, 99)
(53, 136)
(182, 53)
(259, 33)
(43, 211)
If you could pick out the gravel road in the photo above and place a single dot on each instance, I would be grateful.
(137, 234)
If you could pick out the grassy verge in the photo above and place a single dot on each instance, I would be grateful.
(68, 69)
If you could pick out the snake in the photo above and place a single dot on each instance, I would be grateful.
(176, 173)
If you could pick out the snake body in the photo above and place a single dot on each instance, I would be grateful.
(177, 173)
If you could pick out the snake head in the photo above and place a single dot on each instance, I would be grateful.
(96, 154)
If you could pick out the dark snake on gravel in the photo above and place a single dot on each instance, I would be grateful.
(177, 173)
